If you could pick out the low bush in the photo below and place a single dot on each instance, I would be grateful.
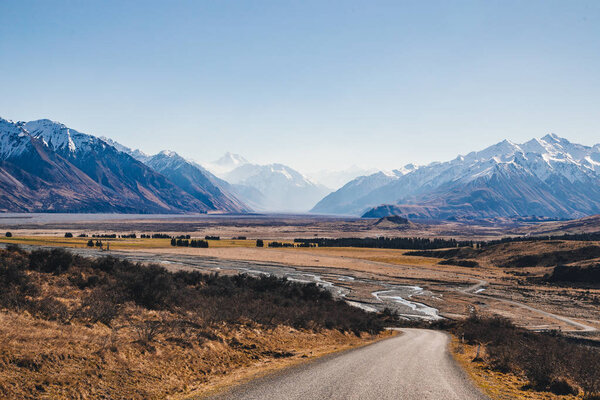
(460, 263)
(562, 273)
(549, 361)
(105, 285)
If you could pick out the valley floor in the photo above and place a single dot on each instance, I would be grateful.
(419, 288)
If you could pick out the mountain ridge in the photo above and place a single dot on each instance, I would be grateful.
(506, 179)
(47, 166)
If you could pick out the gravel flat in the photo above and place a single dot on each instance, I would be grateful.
(415, 365)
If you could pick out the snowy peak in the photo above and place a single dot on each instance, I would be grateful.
(280, 187)
(407, 169)
(228, 162)
(545, 176)
(231, 159)
(168, 153)
(14, 139)
(59, 137)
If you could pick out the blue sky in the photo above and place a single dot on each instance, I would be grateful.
(313, 84)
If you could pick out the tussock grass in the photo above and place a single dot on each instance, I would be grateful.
(72, 327)
(547, 362)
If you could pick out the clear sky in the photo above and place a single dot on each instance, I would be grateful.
(313, 84)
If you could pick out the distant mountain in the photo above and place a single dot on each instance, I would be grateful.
(273, 187)
(348, 198)
(547, 177)
(46, 166)
(190, 177)
(226, 164)
(335, 179)
(197, 181)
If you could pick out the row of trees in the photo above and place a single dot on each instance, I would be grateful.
(189, 243)
(414, 243)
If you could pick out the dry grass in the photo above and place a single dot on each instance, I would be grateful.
(498, 385)
(125, 243)
(76, 328)
(47, 360)
(75, 242)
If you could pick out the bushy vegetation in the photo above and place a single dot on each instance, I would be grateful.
(189, 243)
(105, 285)
(551, 258)
(105, 235)
(549, 361)
(388, 243)
(575, 274)
(280, 244)
(416, 243)
(460, 263)
(456, 253)
(461, 256)
(580, 237)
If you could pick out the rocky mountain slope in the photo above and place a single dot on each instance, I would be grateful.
(547, 177)
(192, 178)
(46, 166)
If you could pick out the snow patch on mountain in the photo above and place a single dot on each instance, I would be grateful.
(551, 165)
(59, 137)
(14, 139)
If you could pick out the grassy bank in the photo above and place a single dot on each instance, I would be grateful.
(510, 362)
(72, 327)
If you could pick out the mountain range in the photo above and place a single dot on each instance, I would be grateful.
(547, 177)
(270, 187)
(47, 167)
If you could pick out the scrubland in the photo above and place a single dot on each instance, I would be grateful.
(512, 363)
(72, 327)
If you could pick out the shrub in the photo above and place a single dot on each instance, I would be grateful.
(8, 234)
(54, 261)
(101, 306)
(562, 273)
(105, 285)
(51, 309)
(260, 243)
(549, 361)
(68, 235)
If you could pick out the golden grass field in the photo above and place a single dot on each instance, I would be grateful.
(379, 264)
(88, 361)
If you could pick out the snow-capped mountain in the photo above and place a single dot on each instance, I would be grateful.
(195, 180)
(46, 166)
(137, 154)
(274, 187)
(347, 199)
(227, 163)
(549, 177)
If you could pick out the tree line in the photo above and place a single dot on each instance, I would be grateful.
(189, 243)
(415, 243)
